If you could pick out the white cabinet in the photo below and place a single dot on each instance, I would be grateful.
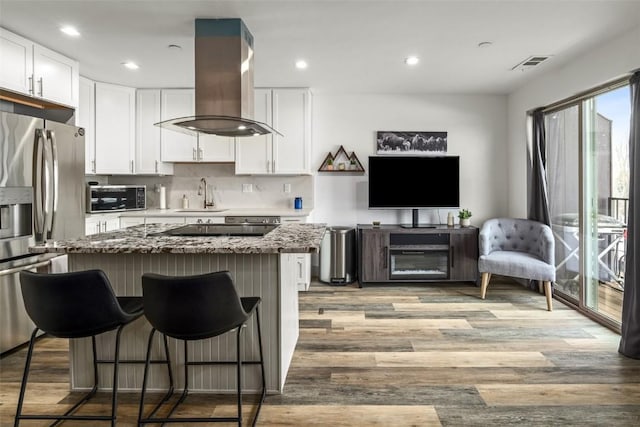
(86, 117)
(115, 129)
(179, 147)
(289, 112)
(95, 224)
(128, 221)
(148, 151)
(301, 263)
(204, 220)
(16, 67)
(34, 70)
(164, 220)
(293, 219)
(289, 315)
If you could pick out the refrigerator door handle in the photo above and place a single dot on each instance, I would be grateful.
(54, 182)
(24, 268)
(39, 184)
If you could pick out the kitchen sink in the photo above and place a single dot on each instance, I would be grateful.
(221, 230)
(200, 210)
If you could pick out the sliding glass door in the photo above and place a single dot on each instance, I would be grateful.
(588, 175)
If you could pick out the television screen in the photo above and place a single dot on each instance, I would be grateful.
(414, 182)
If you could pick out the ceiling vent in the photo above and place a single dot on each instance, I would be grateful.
(531, 62)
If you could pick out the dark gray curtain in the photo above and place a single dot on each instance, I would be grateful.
(630, 337)
(539, 202)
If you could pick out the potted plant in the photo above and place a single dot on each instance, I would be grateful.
(465, 217)
(352, 164)
(329, 164)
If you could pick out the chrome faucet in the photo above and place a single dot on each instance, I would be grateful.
(204, 190)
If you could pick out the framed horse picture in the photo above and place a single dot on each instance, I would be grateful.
(411, 143)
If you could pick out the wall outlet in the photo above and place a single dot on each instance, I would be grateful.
(286, 188)
(247, 188)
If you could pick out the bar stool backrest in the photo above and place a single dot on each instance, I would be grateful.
(72, 305)
(192, 307)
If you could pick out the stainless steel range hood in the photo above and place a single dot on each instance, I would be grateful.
(224, 82)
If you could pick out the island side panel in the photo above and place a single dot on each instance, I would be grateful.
(254, 275)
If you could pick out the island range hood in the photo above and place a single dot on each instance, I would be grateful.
(223, 82)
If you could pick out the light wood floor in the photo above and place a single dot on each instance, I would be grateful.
(420, 355)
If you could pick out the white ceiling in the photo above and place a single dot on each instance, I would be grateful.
(351, 46)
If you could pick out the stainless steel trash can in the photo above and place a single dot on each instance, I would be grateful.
(338, 255)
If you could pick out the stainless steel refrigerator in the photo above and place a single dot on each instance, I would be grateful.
(41, 199)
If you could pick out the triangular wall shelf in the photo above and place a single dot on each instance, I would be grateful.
(341, 162)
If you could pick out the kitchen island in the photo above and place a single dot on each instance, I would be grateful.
(261, 266)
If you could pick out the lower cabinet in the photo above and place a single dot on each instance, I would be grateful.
(101, 223)
(128, 221)
(204, 220)
(164, 220)
(391, 253)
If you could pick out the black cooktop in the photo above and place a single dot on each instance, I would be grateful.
(221, 230)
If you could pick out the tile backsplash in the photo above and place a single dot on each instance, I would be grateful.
(227, 188)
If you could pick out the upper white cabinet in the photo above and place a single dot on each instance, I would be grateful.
(148, 148)
(86, 117)
(289, 112)
(115, 129)
(34, 70)
(179, 147)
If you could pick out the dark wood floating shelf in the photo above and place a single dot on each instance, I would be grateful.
(350, 163)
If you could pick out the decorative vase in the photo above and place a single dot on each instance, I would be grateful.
(465, 222)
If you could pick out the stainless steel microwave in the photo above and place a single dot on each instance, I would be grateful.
(113, 198)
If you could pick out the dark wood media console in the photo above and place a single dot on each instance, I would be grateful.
(438, 253)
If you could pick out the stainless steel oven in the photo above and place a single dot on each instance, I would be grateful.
(110, 198)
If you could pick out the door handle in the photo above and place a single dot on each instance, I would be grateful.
(39, 182)
(14, 270)
(385, 256)
(193, 154)
(54, 181)
(31, 85)
(41, 86)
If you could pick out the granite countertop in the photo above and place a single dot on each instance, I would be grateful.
(286, 238)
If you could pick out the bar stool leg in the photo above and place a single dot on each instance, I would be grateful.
(23, 384)
(239, 373)
(264, 381)
(114, 391)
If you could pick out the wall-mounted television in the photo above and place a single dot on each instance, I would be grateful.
(414, 182)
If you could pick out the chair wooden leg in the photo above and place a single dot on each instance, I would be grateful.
(547, 293)
(485, 282)
(540, 286)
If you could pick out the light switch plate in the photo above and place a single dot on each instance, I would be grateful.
(247, 188)
(286, 188)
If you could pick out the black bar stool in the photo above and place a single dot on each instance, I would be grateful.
(77, 305)
(198, 307)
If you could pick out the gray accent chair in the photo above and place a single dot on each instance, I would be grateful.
(517, 248)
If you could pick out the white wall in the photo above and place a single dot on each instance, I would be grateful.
(477, 132)
(611, 60)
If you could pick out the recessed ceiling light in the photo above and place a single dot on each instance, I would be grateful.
(301, 64)
(256, 134)
(485, 44)
(131, 65)
(411, 60)
(70, 31)
(242, 127)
